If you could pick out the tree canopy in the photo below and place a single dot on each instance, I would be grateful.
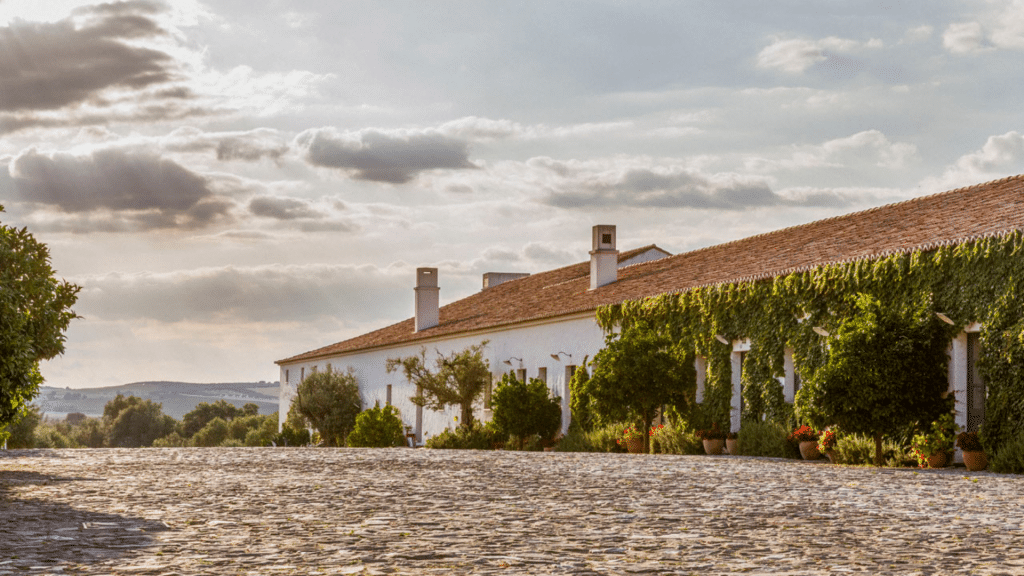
(132, 422)
(886, 370)
(330, 402)
(35, 310)
(457, 379)
(637, 372)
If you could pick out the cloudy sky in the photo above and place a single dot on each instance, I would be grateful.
(232, 186)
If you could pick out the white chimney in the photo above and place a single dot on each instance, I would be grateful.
(426, 298)
(492, 279)
(604, 258)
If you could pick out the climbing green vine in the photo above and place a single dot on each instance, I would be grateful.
(975, 281)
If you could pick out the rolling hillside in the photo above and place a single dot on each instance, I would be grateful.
(177, 398)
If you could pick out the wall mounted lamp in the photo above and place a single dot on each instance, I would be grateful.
(721, 339)
(509, 361)
(557, 356)
(944, 318)
(821, 331)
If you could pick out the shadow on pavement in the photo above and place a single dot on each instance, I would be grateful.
(41, 534)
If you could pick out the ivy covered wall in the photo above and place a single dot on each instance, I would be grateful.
(979, 280)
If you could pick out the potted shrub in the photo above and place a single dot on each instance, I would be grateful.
(933, 447)
(713, 438)
(974, 453)
(827, 441)
(732, 443)
(632, 439)
(808, 440)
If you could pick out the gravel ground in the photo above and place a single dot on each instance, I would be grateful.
(400, 511)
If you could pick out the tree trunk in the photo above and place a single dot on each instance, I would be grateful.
(878, 450)
(467, 416)
(648, 418)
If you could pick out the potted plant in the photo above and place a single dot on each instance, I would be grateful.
(714, 439)
(808, 440)
(632, 439)
(827, 441)
(732, 444)
(974, 453)
(932, 448)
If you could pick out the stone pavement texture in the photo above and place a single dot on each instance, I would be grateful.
(401, 511)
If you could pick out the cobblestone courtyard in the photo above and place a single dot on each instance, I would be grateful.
(351, 511)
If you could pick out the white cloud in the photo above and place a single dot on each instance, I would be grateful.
(796, 55)
(870, 148)
(1000, 156)
(919, 33)
(963, 37)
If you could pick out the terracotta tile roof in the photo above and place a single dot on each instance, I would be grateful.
(989, 209)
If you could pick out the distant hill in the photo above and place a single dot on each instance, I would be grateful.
(177, 398)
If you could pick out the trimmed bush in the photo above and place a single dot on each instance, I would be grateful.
(766, 439)
(677, 439)
(859, 450)
(378, 428)
(213, 434)
(480, 437)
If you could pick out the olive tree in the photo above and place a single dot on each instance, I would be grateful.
(457, 379)
(886, 370)
(330, 401)
(35, 310)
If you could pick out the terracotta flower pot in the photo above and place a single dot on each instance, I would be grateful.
(713, 447)
(975, 461)
(809, 450)
(635, 445)
(733, 446)
(938, 460)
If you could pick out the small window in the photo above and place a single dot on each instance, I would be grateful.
(313, 369)
(287, 378)
(542, 374)
(388, 401)
(521, 375)
(302, 374)
(606, 238)
(487, 392)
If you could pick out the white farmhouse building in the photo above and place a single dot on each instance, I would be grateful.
(543, 325)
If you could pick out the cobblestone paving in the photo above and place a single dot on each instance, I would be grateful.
(400, 511)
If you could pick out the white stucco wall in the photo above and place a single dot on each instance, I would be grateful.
(533, 342)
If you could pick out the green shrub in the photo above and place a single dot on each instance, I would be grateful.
(677, 439)
(213, 434)
(21, 432)
(47, 436)
(378, 428)
(859, 450)
(1010, 457)
(231, 443)
(576, 440)
(525, 409)
(767, 439)
(600, 439)
(264, 434)
(480, 437)
(172, 440)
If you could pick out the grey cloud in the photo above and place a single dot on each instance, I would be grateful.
(641, 187)
(282, 208)
(251, 145)
(257, 294)
(545, 253)
(47, 66)
(148, 191)
(394, 157)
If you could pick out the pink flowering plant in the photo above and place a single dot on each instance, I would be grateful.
(938, 439)
(803, 434)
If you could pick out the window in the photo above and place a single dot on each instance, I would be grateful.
(521, 374)
(329, 368)
(976, 392)
(542, 374)
(313, 369)
(387, 402)
(287, 378)
(302, 374)
(487, 392)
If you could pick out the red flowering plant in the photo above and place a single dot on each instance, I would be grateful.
(631, 433)
(828, 439)
(938, 439)
(713, 433)
(653, 432)
(803, 434)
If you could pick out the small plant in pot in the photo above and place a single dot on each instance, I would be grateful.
(827, 441)
(974, 453)
(632, 439)
(808, 440)
(732, 443)
(714, 439)
(932, 448)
